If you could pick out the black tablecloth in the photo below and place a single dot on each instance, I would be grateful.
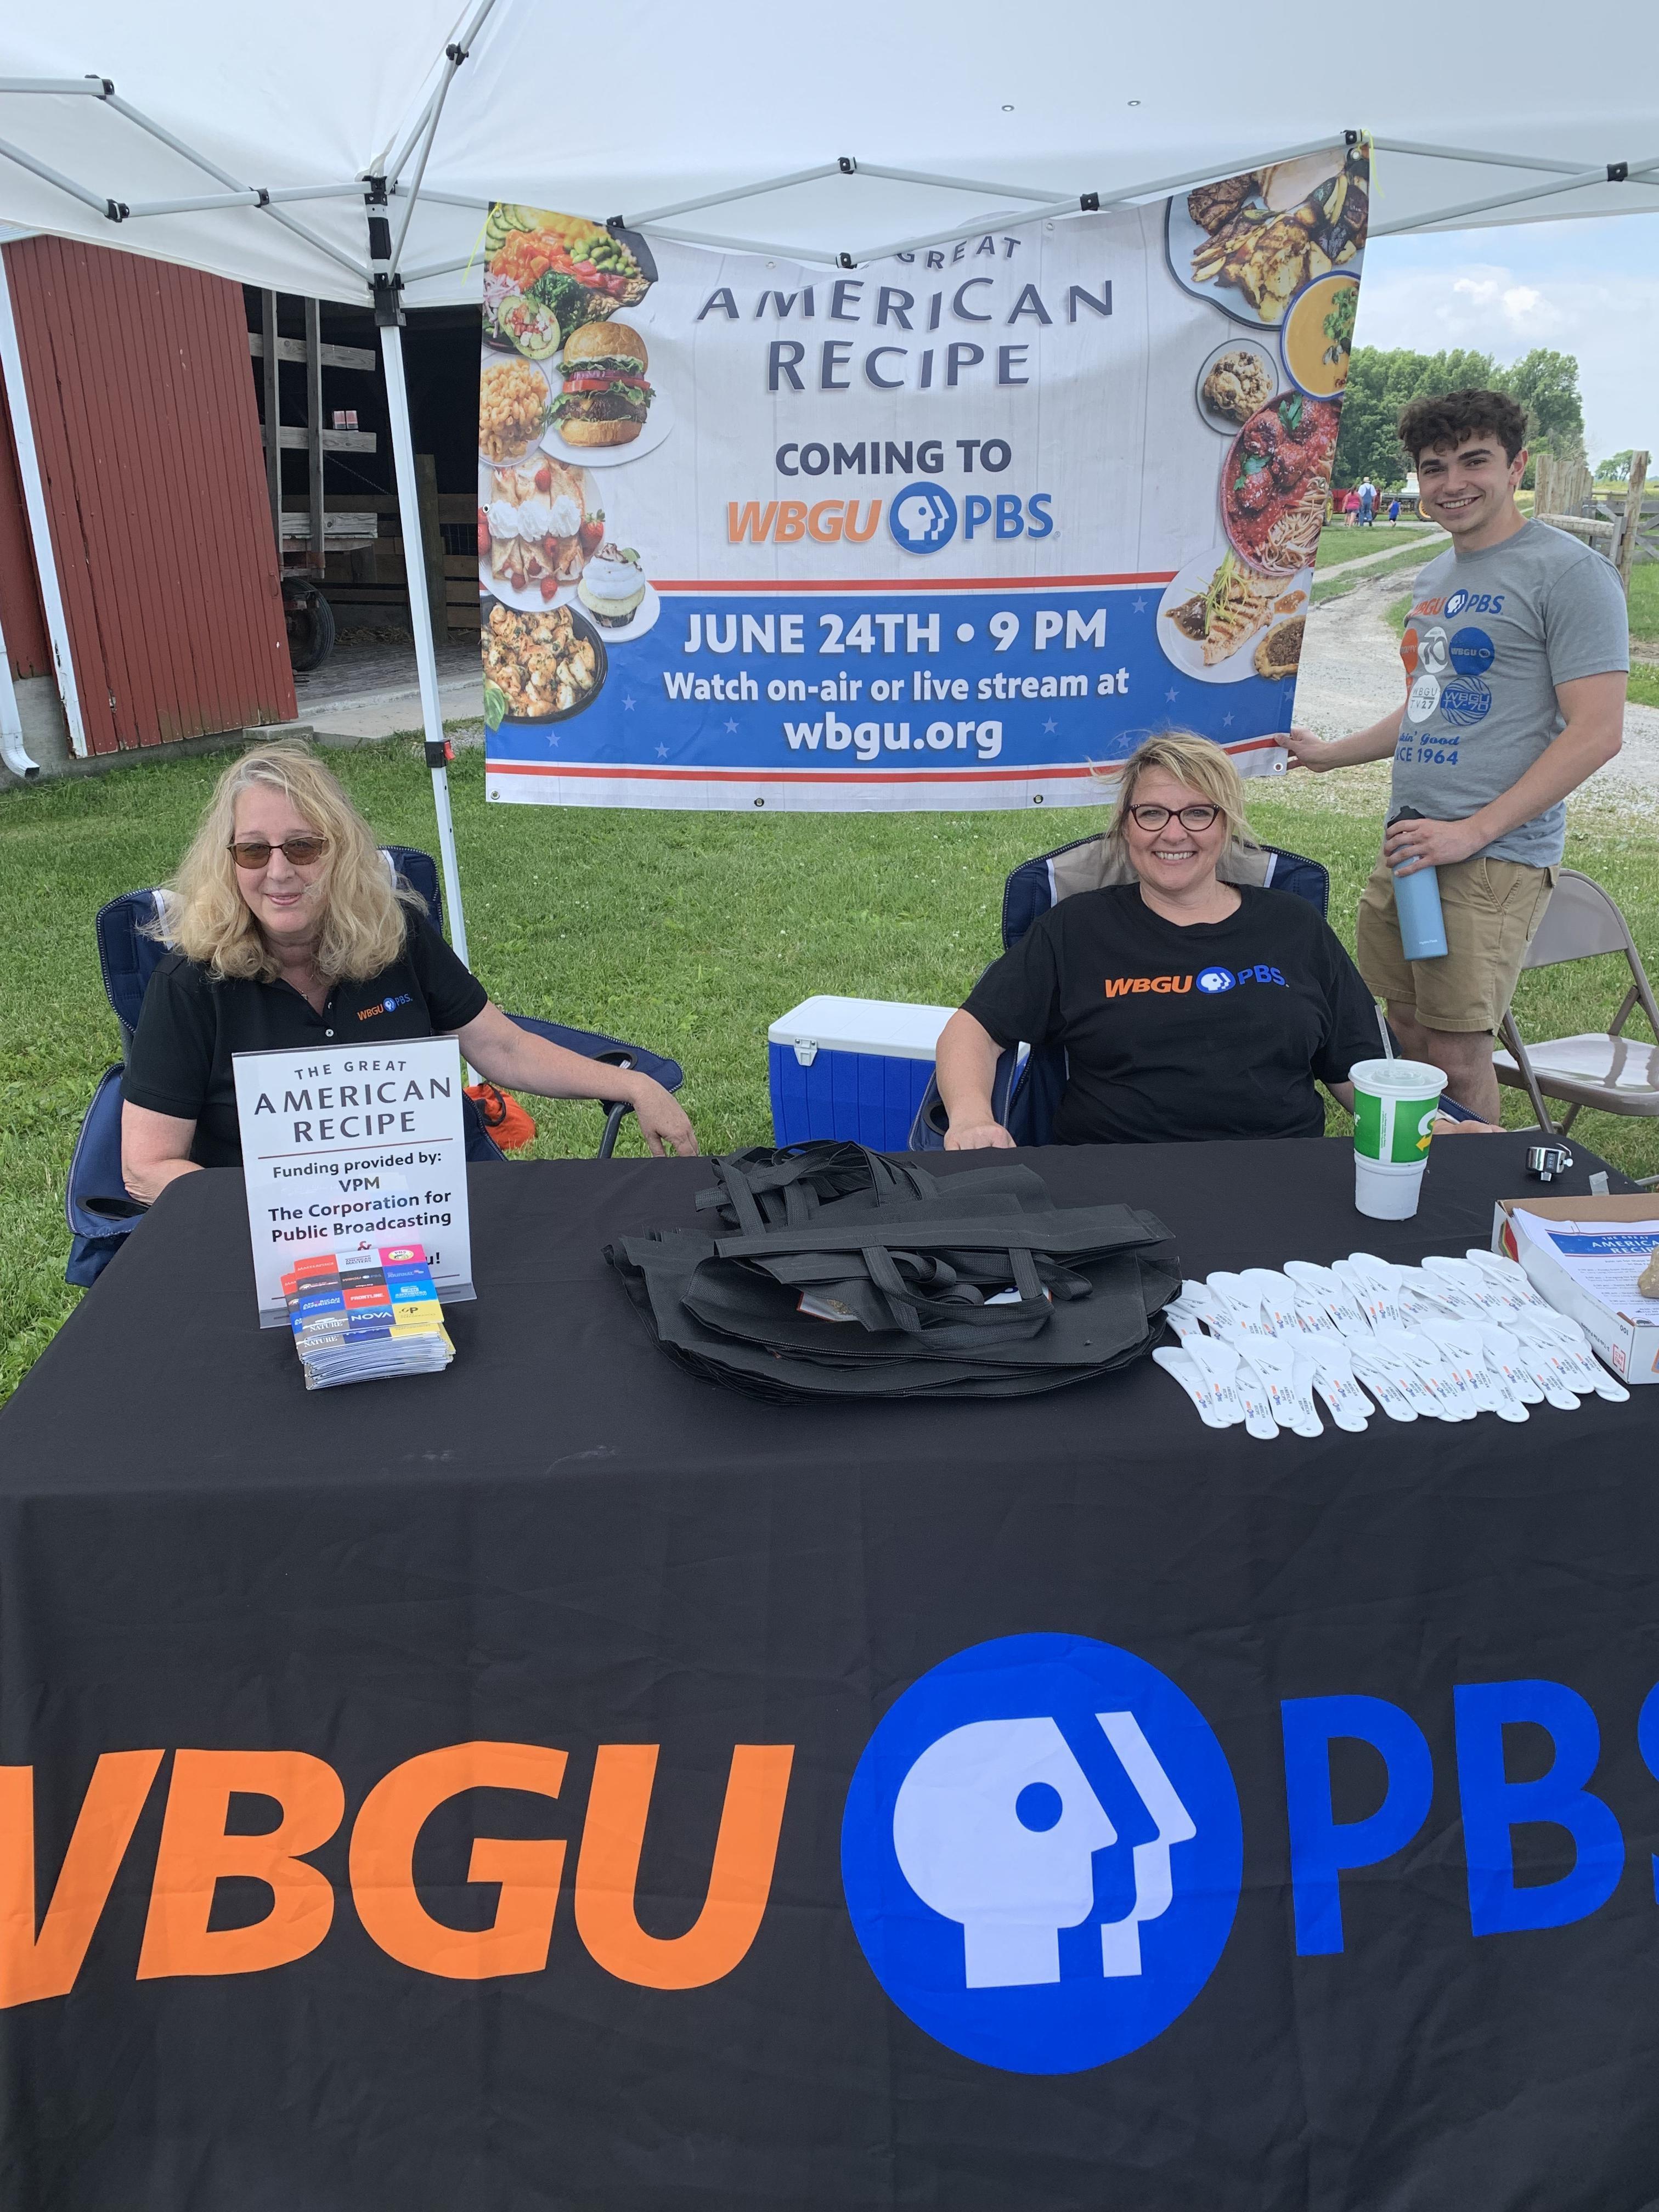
(566, 1542)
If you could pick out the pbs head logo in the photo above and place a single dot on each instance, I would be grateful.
(1214, 981)
(923, 518)
(1042, 1853)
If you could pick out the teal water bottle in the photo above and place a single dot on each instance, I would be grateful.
(1417, 904)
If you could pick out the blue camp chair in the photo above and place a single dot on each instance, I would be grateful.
(1026, 1090)
(101, 1211)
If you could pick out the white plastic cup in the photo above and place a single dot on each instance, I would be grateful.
(1385, 1190)
(1395, 1101)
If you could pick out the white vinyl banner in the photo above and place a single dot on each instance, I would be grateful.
(944, 531)
(346, 1150)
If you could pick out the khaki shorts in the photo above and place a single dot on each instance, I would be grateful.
(1491, 908)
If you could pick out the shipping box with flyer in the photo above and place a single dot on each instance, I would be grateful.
(1587, 1267)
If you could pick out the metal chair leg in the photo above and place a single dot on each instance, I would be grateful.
(613, 1121)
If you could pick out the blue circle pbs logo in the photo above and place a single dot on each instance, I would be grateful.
(1215, 980)
(1042, 1853)
(922, 517)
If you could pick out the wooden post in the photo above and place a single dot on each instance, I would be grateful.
(1632, 529)
(314, 431)
(430, 549)
(273, 416)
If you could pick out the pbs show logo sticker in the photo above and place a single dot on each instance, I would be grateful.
(923, 518)
(1042, 1853)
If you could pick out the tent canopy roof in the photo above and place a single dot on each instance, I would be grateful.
(619, 112)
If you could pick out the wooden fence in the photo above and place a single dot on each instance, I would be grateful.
(1623, 525)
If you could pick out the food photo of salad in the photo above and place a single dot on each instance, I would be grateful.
(547, 274)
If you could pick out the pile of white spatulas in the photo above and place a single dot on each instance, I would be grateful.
(1444, 1342)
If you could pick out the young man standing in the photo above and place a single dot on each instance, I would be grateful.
(1516, 652)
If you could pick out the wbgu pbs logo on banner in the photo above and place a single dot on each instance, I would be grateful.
(1007, 1853)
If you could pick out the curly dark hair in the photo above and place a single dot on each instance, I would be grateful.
(1449, 416)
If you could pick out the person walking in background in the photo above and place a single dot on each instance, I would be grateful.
(1367, 504)
(1516, 651)
(1394, 510)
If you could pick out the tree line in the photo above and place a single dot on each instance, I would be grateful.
(1382, 382)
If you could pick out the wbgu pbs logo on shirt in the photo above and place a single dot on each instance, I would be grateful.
(1042, 1853)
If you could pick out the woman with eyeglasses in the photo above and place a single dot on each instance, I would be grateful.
(286, 930)
(1188, 1006)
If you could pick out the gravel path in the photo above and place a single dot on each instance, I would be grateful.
(1350, 675)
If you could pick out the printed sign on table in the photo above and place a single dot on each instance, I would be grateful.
(348, 1149)
(940, 532)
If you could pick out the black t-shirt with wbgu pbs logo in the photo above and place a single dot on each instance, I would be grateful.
(1212, 1030)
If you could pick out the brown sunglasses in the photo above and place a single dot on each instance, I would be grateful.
(252, 852)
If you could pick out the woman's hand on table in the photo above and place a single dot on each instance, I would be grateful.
(978, 1137)
(1445, 1126)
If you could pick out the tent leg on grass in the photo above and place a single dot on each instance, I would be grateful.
(426, 659)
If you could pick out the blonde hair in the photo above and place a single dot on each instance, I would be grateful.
(1193, 761)
(206, 917)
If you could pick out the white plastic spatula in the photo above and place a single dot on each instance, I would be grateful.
(1373, 1295)
(1473, 1293)
(1185, 1371)
(1335, 1380)
(1218, 1363)
(1461, 1343)
(1320, 1283)
(1254, 1403)
(1512, 1281)
(1274, 1364)
(1238, 1299)
(1536, 1359)
(1504, 1356)
(1277, 1294)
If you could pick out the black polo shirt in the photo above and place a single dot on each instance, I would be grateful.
(192, 1022)
(1174, 1031)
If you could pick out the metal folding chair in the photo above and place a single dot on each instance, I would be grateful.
(100, 1208)
(1027, 1088)
(1602, 1068)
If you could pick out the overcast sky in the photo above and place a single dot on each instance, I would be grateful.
(1588, 288)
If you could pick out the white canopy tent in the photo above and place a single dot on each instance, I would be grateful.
(351, 154)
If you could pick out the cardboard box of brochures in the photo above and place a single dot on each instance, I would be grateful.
(1630, 1345)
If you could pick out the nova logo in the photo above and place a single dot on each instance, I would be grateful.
(923, 518)
(1042, 1853)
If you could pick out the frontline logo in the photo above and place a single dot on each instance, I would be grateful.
(922, 519)
(1042, 1853)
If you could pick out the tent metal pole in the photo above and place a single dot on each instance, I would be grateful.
(958, 184)
(1459, 154)
(420, 611)
(439, 268)
(231, 184)
(454, 54)
(254, 196)
(1635, 170)
(99, 204)
(13, 389)
(739, 245)
(93, 87)
(738, 192)
(475, 201)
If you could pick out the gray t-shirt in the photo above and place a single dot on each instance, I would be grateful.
(1489, 637)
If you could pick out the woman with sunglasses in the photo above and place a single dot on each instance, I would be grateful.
(1189, 1007)
(286, 930)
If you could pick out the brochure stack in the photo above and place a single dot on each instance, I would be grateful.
(361, 1323)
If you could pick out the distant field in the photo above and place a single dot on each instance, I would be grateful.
(1337, 542)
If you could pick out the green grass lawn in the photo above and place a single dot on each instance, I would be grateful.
(1406, 561)
(1337, 542)
(690, 933)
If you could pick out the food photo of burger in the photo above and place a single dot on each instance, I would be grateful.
(606, 400)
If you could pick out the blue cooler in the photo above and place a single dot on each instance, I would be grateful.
(855, 1068)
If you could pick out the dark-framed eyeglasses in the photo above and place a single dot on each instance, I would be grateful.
(254, 852)
(1195, 819)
